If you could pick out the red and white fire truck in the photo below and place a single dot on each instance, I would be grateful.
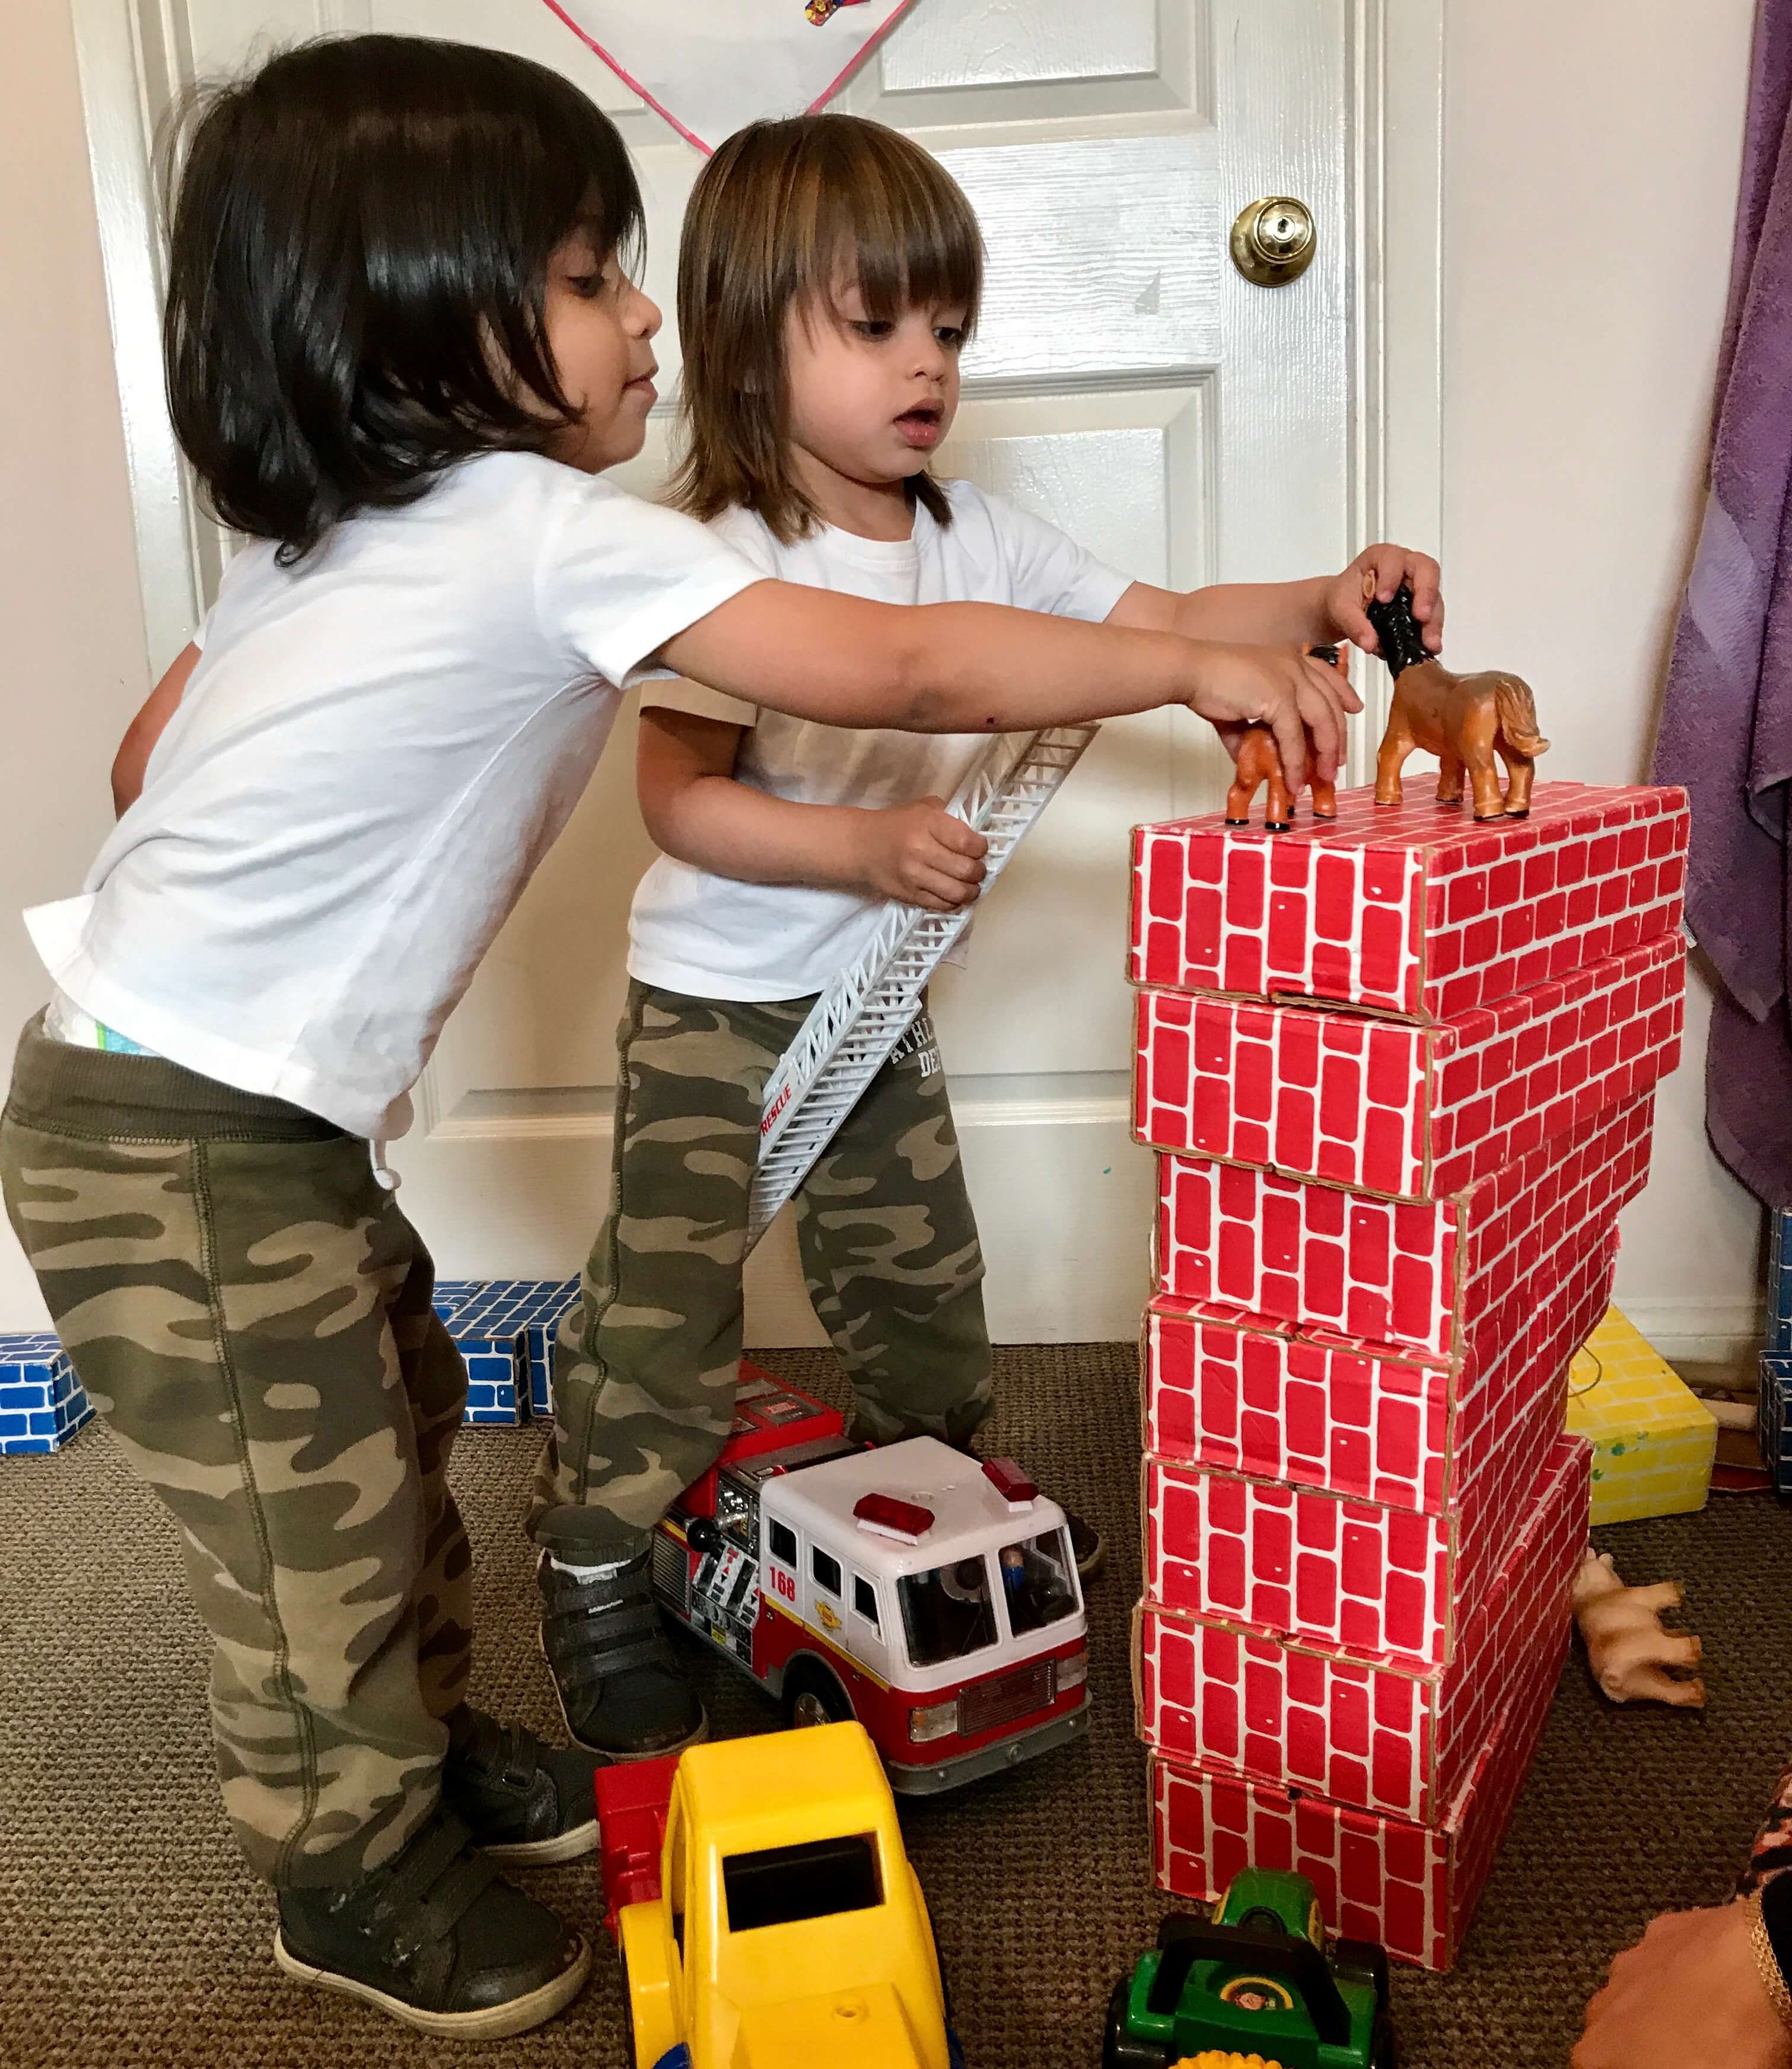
(931, 1596)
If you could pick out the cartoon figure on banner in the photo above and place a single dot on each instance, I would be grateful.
(1258, 763)
(1464, 721)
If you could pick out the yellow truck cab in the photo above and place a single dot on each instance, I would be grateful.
(789, 1927)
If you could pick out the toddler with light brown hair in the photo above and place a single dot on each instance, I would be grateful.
(830, 275)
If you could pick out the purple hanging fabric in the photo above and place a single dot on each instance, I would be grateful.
(1726, 730)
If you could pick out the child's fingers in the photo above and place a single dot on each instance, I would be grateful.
(939, 892)
(1291, 744)
(953, 833)
(950, 861)
(1321, 710)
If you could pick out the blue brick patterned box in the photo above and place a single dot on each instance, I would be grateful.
(41, 1403)
(1776, 1417)
(451, 1294)
(1779, 1285)
(533, 1306)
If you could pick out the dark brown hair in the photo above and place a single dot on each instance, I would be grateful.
(357, 272)
(777, 215)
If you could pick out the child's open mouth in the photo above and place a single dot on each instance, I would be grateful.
(921, 425)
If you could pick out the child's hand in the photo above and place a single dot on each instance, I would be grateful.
(919, 854)
(1302, 702)
(1389, 566)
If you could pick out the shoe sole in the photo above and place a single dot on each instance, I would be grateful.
(489, 2023)
(569, 1845)
(603, 1752)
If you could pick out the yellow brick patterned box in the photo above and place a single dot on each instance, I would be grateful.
(1653, 1438)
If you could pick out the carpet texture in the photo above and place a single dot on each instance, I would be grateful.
(130, 1932)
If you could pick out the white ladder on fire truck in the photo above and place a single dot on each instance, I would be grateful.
(857, 1022)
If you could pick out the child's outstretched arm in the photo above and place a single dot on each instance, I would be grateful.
(916, 854)
(1321, 609)
(980, 668)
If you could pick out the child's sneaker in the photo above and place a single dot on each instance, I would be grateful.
(527, 1805)
(437, 1940)
(621, 1690)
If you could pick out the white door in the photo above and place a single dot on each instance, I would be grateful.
(1127, 383)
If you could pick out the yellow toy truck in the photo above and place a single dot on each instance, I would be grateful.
(765, 1911)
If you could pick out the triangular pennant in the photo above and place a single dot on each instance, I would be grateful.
(710, 67)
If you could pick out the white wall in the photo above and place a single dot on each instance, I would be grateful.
(75, 666)
(1591, 163)
(1591, 182)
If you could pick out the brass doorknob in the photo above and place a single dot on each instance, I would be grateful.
(1274, 240)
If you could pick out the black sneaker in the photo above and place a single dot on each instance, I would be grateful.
(1086, 1545)
(527, 1805)
(621, 1690)
(435, 1938)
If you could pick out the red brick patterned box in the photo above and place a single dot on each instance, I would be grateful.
(1375, 1736)
(1410, 1112)
(1413, 1888)
(1366, 1576)
(1412, 909)
(1381, 1270)
(1250, 1396)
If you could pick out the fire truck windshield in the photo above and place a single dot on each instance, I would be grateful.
(947, 1613)
(1035, 1578)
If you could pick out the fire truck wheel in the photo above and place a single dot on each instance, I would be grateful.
(812, 1695)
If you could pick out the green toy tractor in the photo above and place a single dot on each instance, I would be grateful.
(1255, 1980)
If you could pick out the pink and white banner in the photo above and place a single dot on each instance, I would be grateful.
(710, 67)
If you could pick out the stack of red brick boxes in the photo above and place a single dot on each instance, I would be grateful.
(1400, 1071)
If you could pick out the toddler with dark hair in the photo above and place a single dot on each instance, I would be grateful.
(401, 348)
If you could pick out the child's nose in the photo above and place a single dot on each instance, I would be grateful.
(645, 318)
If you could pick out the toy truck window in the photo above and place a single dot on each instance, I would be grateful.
(784, 1544)
(1035, 1581)
(948, 1613)
(864, 1600)
(825, 1569)
(780, 1885)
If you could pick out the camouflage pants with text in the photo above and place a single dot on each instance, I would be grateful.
(644, 1369)
(252, 1315)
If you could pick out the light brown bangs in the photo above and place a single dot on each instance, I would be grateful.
(871, 207)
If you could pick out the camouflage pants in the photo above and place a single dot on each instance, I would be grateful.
(250, 1313)
(644, 1369)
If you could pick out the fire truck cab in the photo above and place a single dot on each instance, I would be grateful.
(932, 1597)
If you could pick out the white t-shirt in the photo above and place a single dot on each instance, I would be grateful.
(374, 751)
(714, 937)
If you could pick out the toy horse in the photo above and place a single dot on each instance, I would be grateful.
(1258, 763)
(1464, 721)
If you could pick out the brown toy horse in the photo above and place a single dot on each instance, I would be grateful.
(1464, 721)
(1258, 763)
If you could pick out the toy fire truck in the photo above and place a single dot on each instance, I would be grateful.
(931, 1596)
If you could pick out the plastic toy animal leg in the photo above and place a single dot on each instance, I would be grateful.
(1490, 798)
(1278, 807)
(1397, 744)
(1521, 772)
(1325, 801)
(1238, 799)
(1449, 778)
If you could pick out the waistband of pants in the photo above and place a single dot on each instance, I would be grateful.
(109, 1095)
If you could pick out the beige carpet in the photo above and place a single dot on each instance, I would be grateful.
(131, 1935)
